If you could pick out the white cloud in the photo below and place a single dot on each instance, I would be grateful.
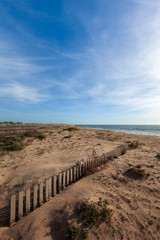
(114, 69)
(127, 72)
(22, 93)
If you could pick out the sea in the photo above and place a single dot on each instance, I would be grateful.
(153, 130)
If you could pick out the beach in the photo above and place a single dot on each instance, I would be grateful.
(135, 202)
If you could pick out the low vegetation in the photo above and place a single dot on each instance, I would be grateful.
(15, 143)
(70, 129)
(72, 231)
(136, 172)
(91, 213)
(88, 215)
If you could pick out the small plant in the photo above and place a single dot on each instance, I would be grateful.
(72, 232)
(85, 233)
(91, 213)
(136, 172)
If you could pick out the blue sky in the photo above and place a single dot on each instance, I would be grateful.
(80, 62)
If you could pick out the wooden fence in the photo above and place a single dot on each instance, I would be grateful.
(26, 201)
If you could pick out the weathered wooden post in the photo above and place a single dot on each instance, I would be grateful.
(57, 183)
(49, 187)
(41, 200)
(54, 185)
(46, 189)
(60, 181)
(35, 190)
(20, 204)
(77, 170)
(12, 209)
(67, 178)
(28, 200)
(64, 180)
(70, 175)
(80, 170)
(74, 174)
(83, 169)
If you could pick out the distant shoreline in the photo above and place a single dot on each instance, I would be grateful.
(148, 130)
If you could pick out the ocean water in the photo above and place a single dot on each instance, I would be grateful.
(153, 130)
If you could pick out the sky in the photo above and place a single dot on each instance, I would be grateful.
(80, 62)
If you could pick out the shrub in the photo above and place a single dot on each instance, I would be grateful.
(72, 232)
(91, 213)
(136, 172)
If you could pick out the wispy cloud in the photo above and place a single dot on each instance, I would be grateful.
(117, 65)
(22, 93)
(123, 71)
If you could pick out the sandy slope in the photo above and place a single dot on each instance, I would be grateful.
(60, 149)
(136, 203)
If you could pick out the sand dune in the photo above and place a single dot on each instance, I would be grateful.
(135, 201)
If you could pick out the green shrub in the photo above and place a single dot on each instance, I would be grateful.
(72, 232)
(91, 213)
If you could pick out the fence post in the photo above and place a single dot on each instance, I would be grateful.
(77, 170)
(67, 177)
(60, 181)
(41, 193)
(28, 200)
(12, 209)
(74, 174)
(35, 189)
(20, 204)
(83, 169)
(64, 180)
(46, 190)
(54, 185)
(70, 175)
(80, 170)
(49, 187)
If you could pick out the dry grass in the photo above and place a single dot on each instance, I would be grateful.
(16, 143)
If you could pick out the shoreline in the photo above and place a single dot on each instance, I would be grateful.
(125, 131)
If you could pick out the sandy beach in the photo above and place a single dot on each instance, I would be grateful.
(135, 201)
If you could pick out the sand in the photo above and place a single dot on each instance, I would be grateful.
(135, 202)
